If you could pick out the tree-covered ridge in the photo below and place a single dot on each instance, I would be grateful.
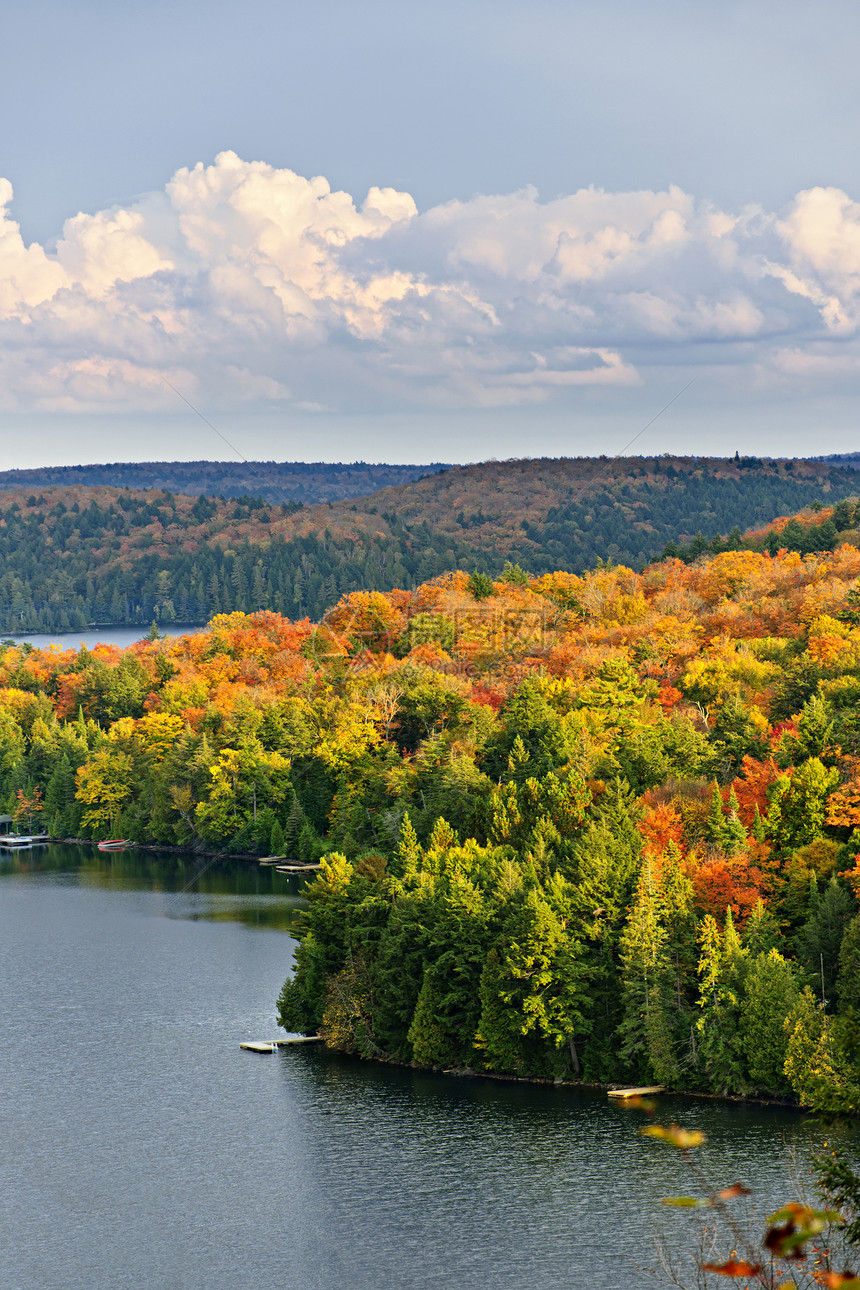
(306, 482)
(72, 556)
(818, 528)
(605, 824)
(69, 557)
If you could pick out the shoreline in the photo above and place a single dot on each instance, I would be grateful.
(163, 848)
(467, 1072)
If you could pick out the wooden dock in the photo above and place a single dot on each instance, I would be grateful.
(284, 862)
(271, 1045)
(637, 1092)
(297, 868)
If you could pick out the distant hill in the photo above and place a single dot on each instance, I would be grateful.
(306, 482)
(71, 556)
(851, 459)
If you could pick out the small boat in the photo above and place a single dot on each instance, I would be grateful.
(115, 844)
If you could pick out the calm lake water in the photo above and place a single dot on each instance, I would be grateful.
(122, 636)
(142, 1149)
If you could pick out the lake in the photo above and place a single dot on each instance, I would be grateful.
(121, 636)
(142, 1149)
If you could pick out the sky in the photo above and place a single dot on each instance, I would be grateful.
(428, 232)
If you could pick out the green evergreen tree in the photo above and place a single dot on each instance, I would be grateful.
(407, 856)
(761, 934)
(734, 835)
(770, 995)
(715, 825)
(820, 939)
(645, 985)
(533, 987)
(720, 1055)
(401, 960)
(848, 979)
(60, 815)
(815, 1065)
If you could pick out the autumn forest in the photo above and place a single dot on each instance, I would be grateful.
(78, 550)
(599, 826)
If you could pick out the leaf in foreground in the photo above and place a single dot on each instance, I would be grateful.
(733, 1268)
(683, 1139)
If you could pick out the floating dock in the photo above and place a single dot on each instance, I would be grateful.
(283, 865)
(270, 1045)
(637, 1092)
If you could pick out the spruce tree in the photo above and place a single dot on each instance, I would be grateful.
(817, 1068)
(734, 835)
(715, 824)
(407, 856)
(820, 939)
(720, 966)
(848, 980)
(60, 799)
(770, 994)
(761, 934)
(646, 1031)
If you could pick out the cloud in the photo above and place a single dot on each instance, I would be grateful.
(249, 285)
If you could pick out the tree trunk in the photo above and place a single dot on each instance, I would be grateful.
(573, 1053)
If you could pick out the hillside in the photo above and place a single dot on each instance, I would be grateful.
(306, 482)
(76, 555)
(549, 513)
(851, 459)
(602, 827)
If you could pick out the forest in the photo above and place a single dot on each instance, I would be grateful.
(601, 826)
(307, 482)
(74, 556)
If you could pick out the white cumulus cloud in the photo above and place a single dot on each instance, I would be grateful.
(252, 284)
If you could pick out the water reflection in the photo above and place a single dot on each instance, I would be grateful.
(223, 890)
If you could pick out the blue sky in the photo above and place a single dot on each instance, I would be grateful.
(428, 231)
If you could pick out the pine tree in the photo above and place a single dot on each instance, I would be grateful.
(498, 1036)
(734, 835)
(815, 1066)
(848, 980)
(539, 980)
(646, 978)
(820, 939)
(720, 1057)
(714, 827)
(60, 799)
(770, 994)
(398, 972)
(676, 895)
(758, 829)
(407, 857)
(761, 934)
(430, 1041)
(309, 844)
(447, 1012)
(296, 820)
